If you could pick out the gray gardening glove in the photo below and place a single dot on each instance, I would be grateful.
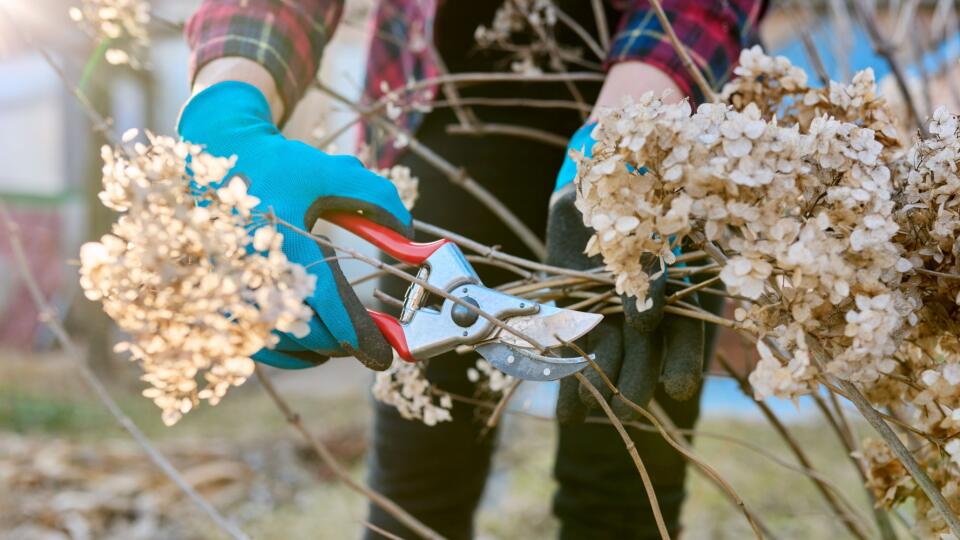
(636, 350)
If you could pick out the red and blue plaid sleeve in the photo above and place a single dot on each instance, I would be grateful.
(284, 36)
(714, 32)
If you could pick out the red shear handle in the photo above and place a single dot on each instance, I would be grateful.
(388, 240)
(391, 329)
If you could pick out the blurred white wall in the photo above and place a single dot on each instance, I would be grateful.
(33, 133)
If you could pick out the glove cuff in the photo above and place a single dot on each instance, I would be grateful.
(221, 106)
(581, 141)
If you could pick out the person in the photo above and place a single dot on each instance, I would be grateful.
(252, 60)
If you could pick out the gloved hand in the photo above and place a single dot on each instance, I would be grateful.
(635, 350)
(298, 183)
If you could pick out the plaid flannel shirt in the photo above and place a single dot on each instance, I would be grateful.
(287, 37)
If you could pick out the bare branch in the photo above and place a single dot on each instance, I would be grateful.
(498, 411)
(684, 54)
(906, 458)
(883, 47)
(600, 17)
(851, 521)
(581, 32)
(493, 252)
(662, 422)
(456, 175)
(516, 102)
(632, 450)
(293, 418)
(523, 132)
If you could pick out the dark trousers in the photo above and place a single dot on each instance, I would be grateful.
(438, 473)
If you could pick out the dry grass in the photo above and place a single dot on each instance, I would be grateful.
(39, 398)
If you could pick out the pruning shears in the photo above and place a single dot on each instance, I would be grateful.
(423, 330)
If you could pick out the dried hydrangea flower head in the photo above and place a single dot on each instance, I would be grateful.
(489, 380)
(526, 29)
(181, 275)
(513, 18)
(120, 23)
(407, 184)
(803, 209)
(405, 387)
(837, 235)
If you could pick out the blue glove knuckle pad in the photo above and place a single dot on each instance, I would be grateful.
(298, 183)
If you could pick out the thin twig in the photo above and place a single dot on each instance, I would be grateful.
(603, 29)
(456, 175)
(479, 259)
(470, 78)
(523, 132)
(689, 256)
(382, 532)
(545, 284)
(684, 54)
(331, 137)
(387, 299)
(557, 63)
(708, 290)
(832, 499)
(48, 316)
(595, 299)
(816, 60)
(882, 47)
(493, 252)
(516, 102)
(685, 271)
(843, 30)
(464, 116)
(677, 430)
(704, 316)
(660, 419)
(950, 28)
(98, 122)
(919, 49)
(482, 77)
(683, 447)
(498, 411)
(632, 450)
(935, 273)
(906, 458)
(840, 427)
(692, 289)
(293, 418)
(581, 32)
(379, 273)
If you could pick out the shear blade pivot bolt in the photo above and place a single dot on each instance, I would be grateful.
(464, 316)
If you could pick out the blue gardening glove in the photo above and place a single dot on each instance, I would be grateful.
(636, 350)
(298, 183)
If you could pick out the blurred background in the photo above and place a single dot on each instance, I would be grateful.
(67, 471)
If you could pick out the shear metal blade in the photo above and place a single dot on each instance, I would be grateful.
(549, 324)
(528, 365)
